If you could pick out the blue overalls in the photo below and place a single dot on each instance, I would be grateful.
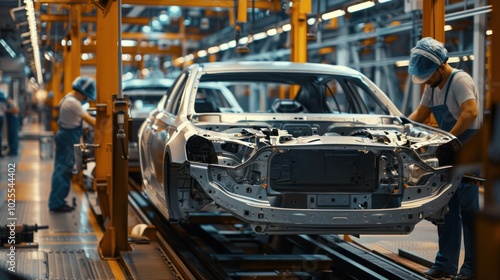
(63, 163)
(462, 207)
(2, 100)
(12, 131)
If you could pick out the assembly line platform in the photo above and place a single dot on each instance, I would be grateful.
(68, 248)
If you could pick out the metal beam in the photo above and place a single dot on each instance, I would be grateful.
(160, 36)
(274, 5)
(64, 18)
(63, 1)
(171, 50)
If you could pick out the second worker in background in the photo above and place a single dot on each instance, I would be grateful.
(71, 115)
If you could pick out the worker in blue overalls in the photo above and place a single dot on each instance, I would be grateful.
(452, 97)
(3, 108)
(71, 115)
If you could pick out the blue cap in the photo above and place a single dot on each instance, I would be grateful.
(425, 58)
(85, 85)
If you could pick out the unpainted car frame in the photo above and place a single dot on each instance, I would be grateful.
(353, 165)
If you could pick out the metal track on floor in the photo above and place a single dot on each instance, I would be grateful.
(218, 246)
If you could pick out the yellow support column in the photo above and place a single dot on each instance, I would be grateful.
(433, 26)
(72, 53)
(298, 48)
(433, 19)
(111, 165)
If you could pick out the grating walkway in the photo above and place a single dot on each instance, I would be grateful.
(67, 249)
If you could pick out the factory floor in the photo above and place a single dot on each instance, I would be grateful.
(68, 247)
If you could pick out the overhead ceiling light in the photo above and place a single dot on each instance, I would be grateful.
(49, 55)
(243, 40)
(287, 27)
(8, 48)
(489, 32)
(202, 53)
(454, 59)
(129, 43)
(402, 63)
(259, 36)
(214, 49)
(30, 14)
(179, 60)
(383, 1)
(361, 6)
(232, 43)
(447, 27)
(224, 46)
(332, 14)
(272, 32)
(311, 21)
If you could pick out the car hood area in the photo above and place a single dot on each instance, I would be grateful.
(356, 179)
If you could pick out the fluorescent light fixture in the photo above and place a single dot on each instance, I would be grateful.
(332, 14)
(30, 14)
(311, 21)
(179, 60)
(214, 49)
(447, 27)
(129, 43)
(360, 6)
(383, 1)
(454, 59)
(287, 27)
(259, 36)
(402, 63)
(47, 55)
(8, 48)
(126, 57)
(489, 32)
(202, 53)
(232, 43)
(243, 40)
(224, 46)
(272, 32)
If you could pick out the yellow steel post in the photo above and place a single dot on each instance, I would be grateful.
(107, 85)
(72, 52)
(300, 9)
(242, 11)
(111, 168)
(298, 48)
(433, 26)
(433, 19)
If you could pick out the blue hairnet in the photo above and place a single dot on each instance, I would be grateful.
(425, 58)
(85, 85)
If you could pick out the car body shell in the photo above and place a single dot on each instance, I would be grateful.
(302, 167)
